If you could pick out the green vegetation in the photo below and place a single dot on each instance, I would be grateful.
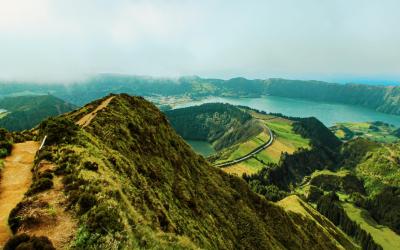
(374, 163)
(292, 168)
(223, 125)
(24, 241)
(381, 235)
(5, 143)
(237, 131)
(375, 131)
(58, 130)
(5, 146)
(385, 207)
(329, 206)
(342, 181)
(139, 185)
(294, 204)
(25, 112)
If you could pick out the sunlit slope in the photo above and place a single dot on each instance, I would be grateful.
(134, 183)
(285, 141)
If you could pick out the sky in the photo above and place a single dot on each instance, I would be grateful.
(66, 40)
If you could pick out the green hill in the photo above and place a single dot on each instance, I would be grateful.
(25, 112)
(235, 131)
(223, 125)
(132, 183)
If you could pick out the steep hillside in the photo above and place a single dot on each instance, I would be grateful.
(25, 112)
(223, 125)
(132, 182)
(294, 204)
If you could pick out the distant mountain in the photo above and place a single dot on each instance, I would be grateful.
(130, 182)
(25, 112)
(381, 98)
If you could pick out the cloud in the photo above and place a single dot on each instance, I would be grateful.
(57, 40)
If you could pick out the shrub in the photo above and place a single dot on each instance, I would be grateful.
(91, 165)
(104, 219)
(40, 185)
(3, 152)
(5, 148)
(14, 221)
(15, 241)
(86, 202)
(26, 242)
(46, 174)
(314, 193)
(58, 130)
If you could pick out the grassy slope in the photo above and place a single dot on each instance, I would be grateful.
(157, 193)
(294, 204)
(285, 141)
(376, 164)
(382, 235)
(379, 133)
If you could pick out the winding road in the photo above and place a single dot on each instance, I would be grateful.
(249, 155)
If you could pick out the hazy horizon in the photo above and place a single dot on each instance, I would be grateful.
(64, 41)
(362, 81)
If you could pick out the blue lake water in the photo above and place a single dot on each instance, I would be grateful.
(328, 113)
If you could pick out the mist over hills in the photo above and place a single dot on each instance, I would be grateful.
(381, 98)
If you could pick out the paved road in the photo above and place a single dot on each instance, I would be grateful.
(249, 155)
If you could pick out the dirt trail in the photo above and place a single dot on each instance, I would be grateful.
(55, 223)
(16, 178)
(85, 121)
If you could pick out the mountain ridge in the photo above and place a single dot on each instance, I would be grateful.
(138, 185)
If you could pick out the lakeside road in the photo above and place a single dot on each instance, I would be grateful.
(249, 155)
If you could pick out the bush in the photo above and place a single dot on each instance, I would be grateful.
(86, 202)
(58, 130)
(46, 174)
(15, 241)
(5, 148)
(26, 242)
(314, 193)
(40, 185)
(104, 219)
(91, 165)
(14, 221)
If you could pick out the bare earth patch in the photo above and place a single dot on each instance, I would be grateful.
(16, 179)
(51, 220)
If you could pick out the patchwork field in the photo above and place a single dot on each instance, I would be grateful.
(285, 141)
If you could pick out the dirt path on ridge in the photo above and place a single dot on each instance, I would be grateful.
(85, 121)
(16, 178)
